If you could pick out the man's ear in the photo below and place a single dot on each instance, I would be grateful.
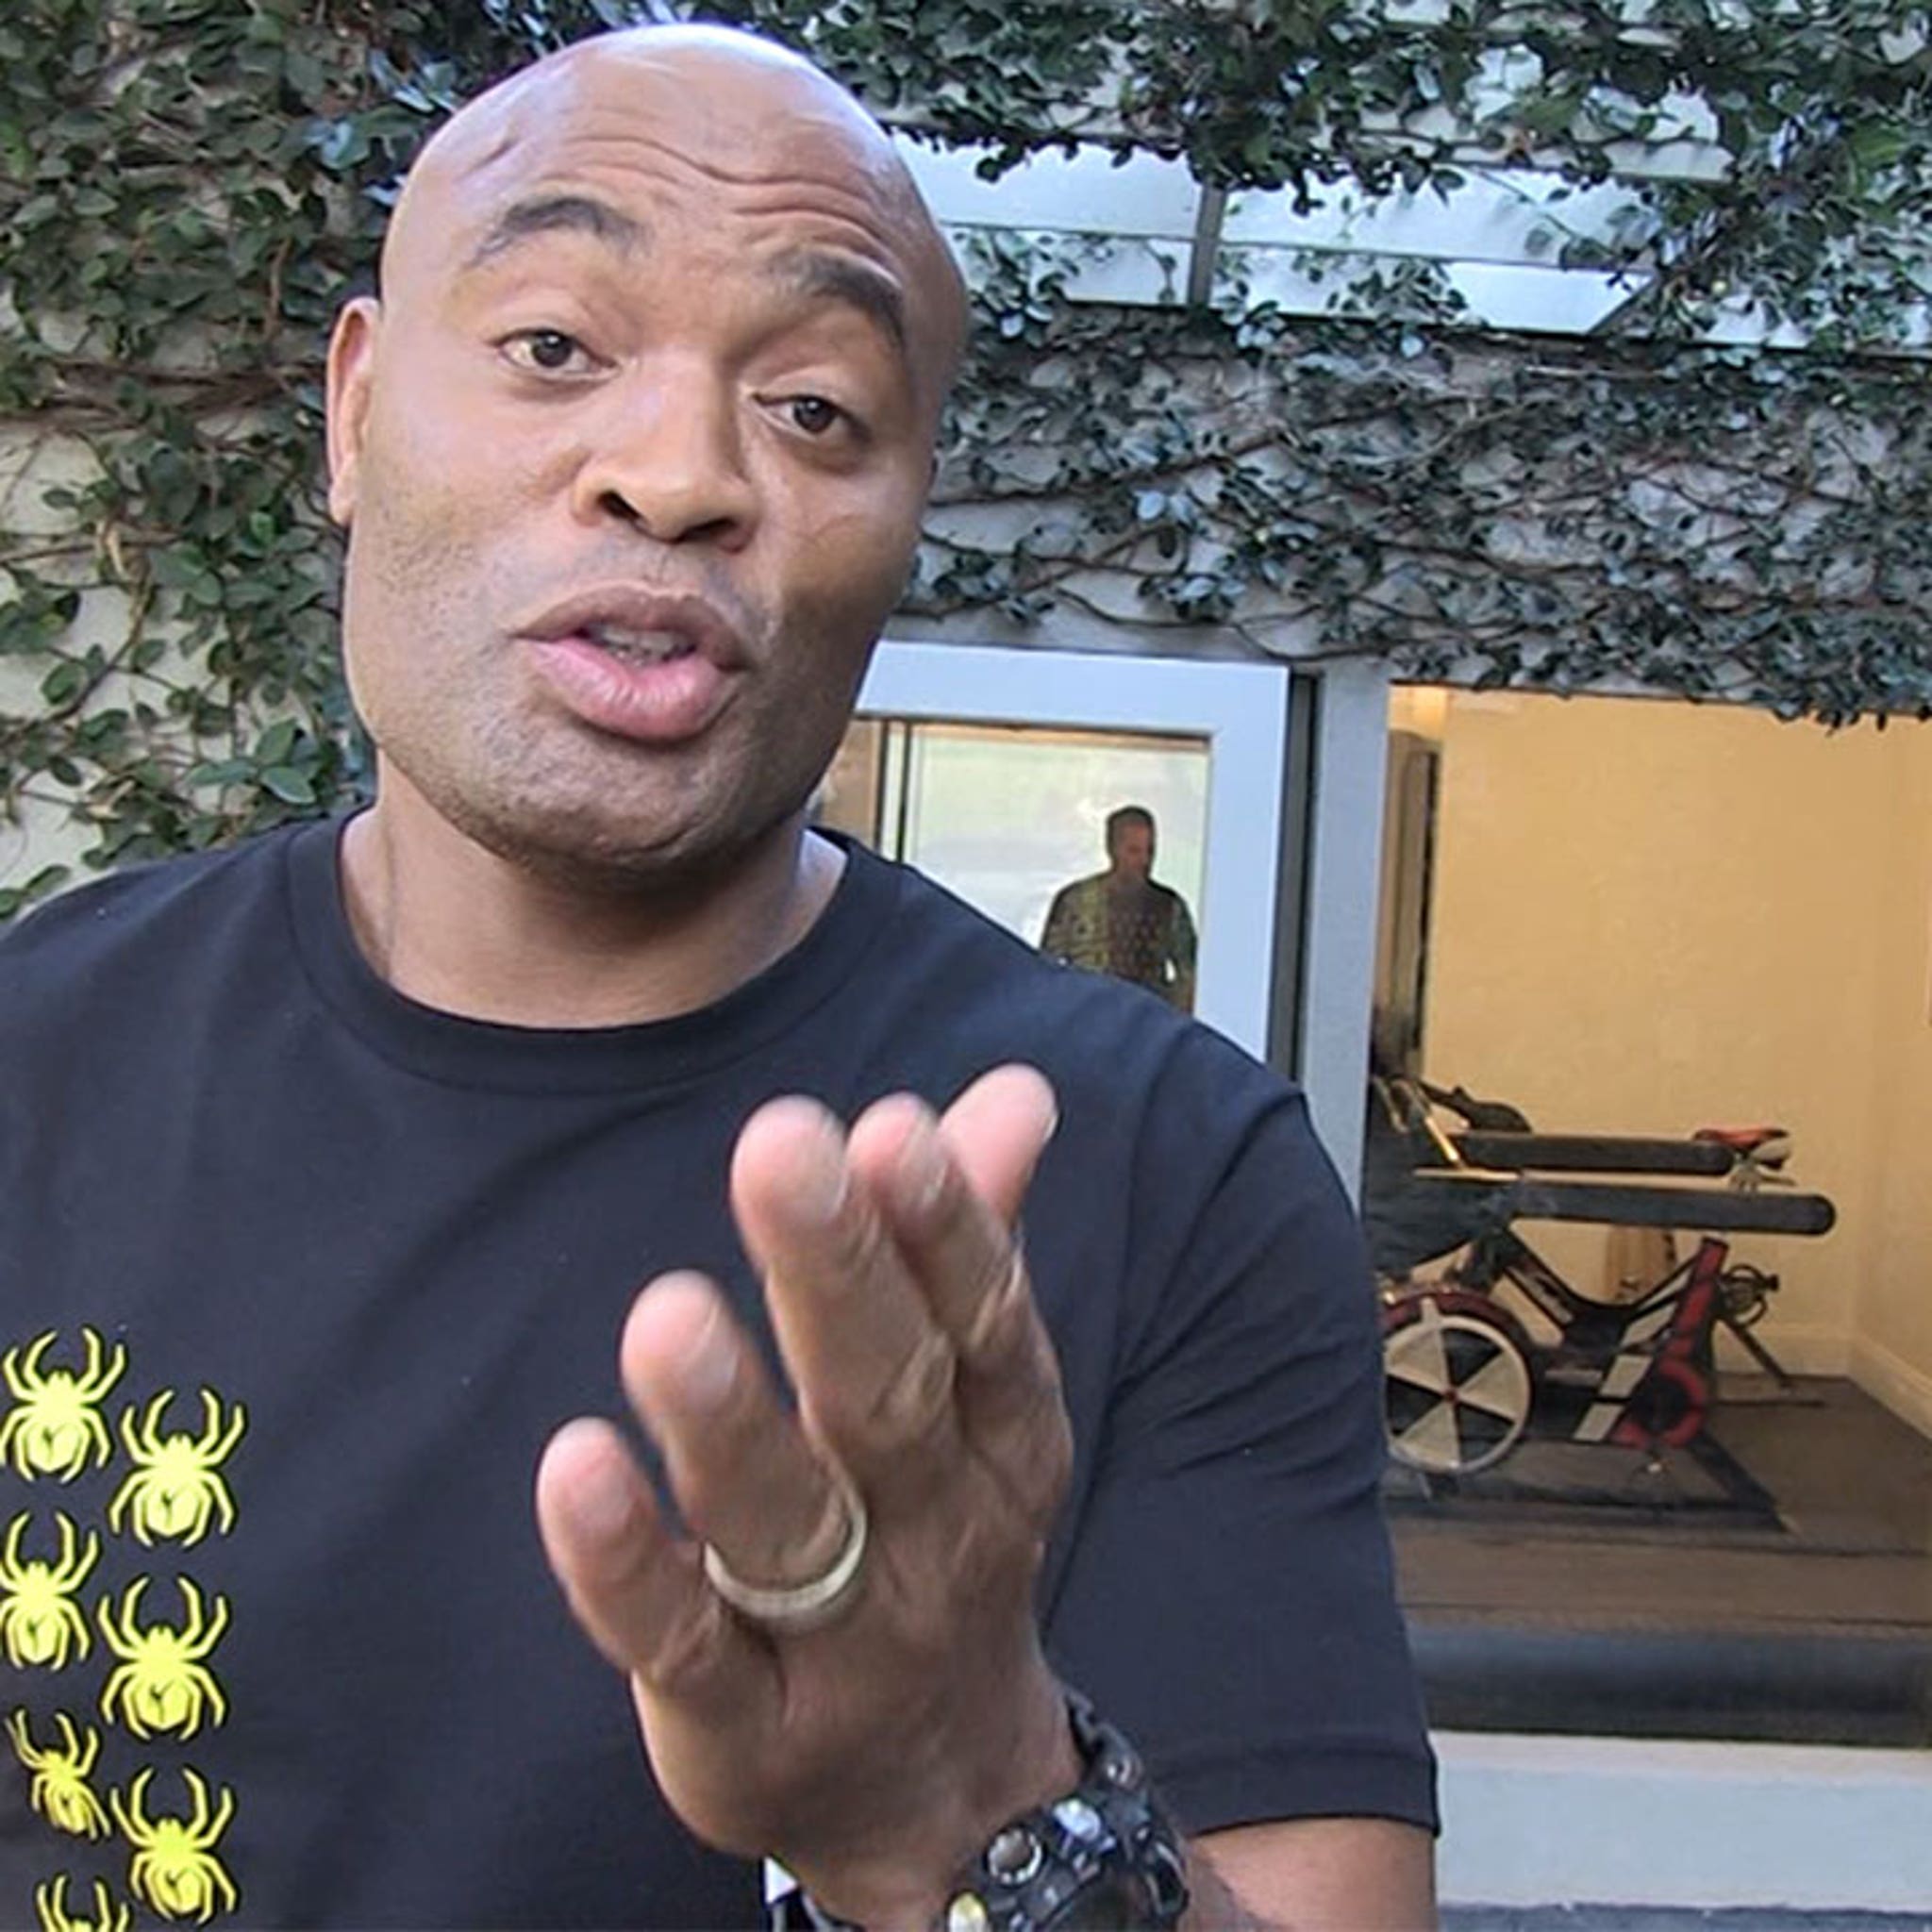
(351, 384)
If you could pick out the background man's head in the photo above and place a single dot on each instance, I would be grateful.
(633, 448)
(1130, 842)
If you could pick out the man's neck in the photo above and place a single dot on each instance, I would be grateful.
(455, 926)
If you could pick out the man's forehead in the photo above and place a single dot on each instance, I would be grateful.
(721, 111)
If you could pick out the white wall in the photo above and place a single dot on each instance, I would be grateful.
(1652, 916)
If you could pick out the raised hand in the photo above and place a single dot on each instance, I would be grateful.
(872, 1740)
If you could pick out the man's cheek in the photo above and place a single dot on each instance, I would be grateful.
(450, 460)
(427, 516)
(860, 559)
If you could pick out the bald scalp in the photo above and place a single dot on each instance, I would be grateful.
(735, 94)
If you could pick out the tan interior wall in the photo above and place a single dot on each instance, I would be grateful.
(1893, 1344)
(1650, 916)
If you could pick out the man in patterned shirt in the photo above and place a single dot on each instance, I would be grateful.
(1122, 922)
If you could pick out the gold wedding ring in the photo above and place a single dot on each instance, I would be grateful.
(790, 1608)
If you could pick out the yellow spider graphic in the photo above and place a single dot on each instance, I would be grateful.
(39, 1621)
(174, 1488)
(50, 1900)
(60, 1791)
(160, 1682)
(56, 1429)
(174, 1868)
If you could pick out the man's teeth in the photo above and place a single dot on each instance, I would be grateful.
(639, 646)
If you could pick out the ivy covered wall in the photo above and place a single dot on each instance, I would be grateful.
(187, 188)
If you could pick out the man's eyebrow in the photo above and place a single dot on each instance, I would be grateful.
(549, 213)
(842, 279)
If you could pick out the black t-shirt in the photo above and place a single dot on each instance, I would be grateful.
(296, 1277)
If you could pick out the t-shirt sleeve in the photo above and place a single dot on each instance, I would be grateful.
(1229, 1599)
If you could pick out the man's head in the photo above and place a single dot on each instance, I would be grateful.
(1130, 842)
(633, 448)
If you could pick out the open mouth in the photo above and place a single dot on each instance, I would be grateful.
(639, 646)
(653, 668)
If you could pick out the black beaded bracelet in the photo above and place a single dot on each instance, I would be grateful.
(1105, 1855)
(1102, 1857)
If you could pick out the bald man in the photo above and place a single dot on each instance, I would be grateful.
(336, 1160)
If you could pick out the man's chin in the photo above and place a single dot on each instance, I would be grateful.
(602, 850)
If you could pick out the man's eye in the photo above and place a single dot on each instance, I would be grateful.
(815, 414)
(547, 350)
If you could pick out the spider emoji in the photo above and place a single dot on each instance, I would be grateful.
(174, 1869)
(56, 1429)
(160, 1682)
(39, 1621)
(176, 1488)
(60, 1791)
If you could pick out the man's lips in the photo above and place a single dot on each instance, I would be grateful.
(639, 664)
(631, 620)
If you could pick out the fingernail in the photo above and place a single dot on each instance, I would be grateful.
(922, 1172)
(601, 1501)
(710, 1366)
(818, 1191)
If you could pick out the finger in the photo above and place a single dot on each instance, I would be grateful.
(873, 1373)
(997, 1130)
(639, 1593)
(745, 1477)
(972, 1270)
(949, 1191)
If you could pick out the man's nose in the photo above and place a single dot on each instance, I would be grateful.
(667, 458)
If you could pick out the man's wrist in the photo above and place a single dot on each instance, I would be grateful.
(905, 1889)
(1093, 1848)
(1103, 1855)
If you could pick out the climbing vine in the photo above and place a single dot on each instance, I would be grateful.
(189, 186)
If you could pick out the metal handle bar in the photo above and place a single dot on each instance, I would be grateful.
(1714, 1210)
(1595, 1153)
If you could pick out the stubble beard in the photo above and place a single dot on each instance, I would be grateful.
(580, 810)
(685, 835)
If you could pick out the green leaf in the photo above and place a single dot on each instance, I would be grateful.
(224, 772)
(291, 786)
(63, 684)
